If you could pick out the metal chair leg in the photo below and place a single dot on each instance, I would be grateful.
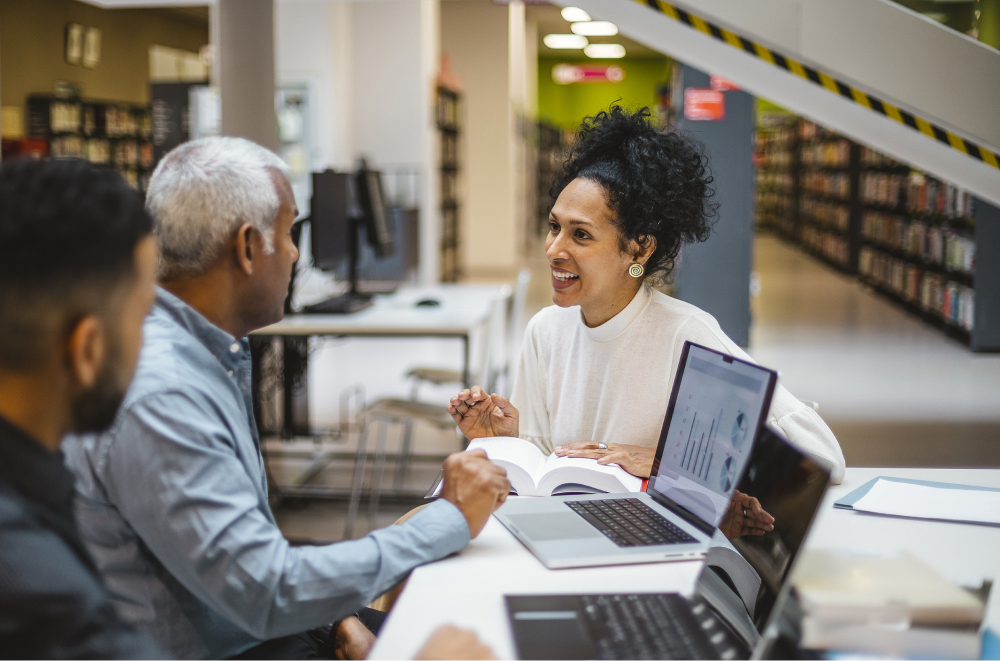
(404, 454)
(376, 485)
(359, 476)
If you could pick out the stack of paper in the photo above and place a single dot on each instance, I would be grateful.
(888, 605)
(943, 502)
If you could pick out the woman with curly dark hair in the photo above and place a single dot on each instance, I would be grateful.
(596, 369)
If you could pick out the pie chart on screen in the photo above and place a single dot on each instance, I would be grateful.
(740, 430)
(726, 474)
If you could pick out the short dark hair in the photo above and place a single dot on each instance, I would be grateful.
(68, 234)
(657, 182)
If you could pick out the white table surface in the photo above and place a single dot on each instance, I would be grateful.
(463, 309)
(467, 589)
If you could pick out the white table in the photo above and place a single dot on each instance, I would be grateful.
(467, 589)
(463, 310)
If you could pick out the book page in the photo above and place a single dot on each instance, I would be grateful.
(577, 470)
(522, 460)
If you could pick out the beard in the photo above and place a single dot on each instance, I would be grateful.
(95, 409)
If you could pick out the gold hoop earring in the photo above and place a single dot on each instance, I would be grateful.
(636, 270)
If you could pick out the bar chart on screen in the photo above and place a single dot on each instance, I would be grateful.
(701, 419)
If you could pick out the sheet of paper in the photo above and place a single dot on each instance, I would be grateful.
(923, 502)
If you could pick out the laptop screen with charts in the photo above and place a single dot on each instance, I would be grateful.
(715, 411)
(717, 407)
(737, 607)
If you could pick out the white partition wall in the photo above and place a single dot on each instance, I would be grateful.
(370, 66)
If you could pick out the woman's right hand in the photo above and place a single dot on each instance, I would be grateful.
(479, 415)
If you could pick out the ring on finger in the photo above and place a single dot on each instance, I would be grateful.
(601, 445)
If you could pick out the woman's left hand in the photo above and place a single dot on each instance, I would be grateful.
(634, 459)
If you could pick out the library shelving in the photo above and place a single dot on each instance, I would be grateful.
(104, 132)
(777, 163)
(909, 236)
(551, 144)
(448, 124)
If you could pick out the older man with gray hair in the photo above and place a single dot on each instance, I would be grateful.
(172, 500)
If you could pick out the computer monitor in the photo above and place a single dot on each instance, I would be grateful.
(331, 219)
(374, 212)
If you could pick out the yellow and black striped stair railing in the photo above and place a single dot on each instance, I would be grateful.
(827, 81)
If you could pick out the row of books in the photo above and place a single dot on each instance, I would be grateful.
(834, 215)
(933, 292)
(121, 153)
(871, 158)
(829, 184)
(52, 116)
(915, 192)
(834, 247)
(829, 154)
(776, 159)
(929, 242)
(775, 180)
(809, 131)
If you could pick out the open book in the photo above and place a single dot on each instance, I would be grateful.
(531, 473)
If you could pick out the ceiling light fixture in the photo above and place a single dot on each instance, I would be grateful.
(595, 29)
(575, 14)
(605, 51)
(565, 41)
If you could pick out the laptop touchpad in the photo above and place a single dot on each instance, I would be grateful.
(546, 526)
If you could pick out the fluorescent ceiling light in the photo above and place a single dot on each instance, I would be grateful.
(595, 29)
(565, 41)
(574, 14)
(605, 51)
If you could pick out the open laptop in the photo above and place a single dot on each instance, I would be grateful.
(714, 622)
(716, 409)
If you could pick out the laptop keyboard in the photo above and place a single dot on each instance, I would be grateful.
(629, 522)
(654, 626)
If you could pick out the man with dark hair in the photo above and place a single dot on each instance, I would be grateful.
(77, 266)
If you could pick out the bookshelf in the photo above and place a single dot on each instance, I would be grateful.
(777, 164)
(909, 236)
(448, 126)
(103, 132)
(552, 142)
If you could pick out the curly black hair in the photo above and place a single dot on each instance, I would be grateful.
(657, 182)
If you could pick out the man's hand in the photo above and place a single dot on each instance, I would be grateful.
(633, 459)
(745, 516)
(449, 642)
(480, 415)
(352, 639)
(475, 485)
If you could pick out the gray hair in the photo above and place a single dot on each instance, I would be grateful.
(201, 192)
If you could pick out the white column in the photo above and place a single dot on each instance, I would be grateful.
(245, 55)
(475, 36)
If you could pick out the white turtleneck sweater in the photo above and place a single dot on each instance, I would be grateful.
(612, 383)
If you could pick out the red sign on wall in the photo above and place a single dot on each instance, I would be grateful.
(569, 74)
(702, 104)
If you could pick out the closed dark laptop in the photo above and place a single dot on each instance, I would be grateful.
(714, 622)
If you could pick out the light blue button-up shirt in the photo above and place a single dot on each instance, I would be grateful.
(172, 504)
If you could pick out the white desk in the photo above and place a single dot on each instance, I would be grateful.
(462, 311)
(467, 589)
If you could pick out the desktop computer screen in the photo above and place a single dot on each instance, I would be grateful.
(331, 219)
(374, 212)
(343, 203)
